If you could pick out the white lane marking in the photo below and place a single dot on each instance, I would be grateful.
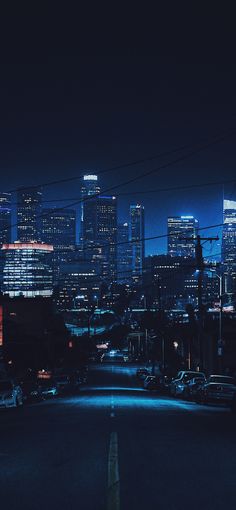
(113, 487)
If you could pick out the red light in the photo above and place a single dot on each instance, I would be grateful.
(70, 344)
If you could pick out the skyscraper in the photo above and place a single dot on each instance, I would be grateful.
(27, 269)
(178, 228)
(106, 234)
(89, 188)
(124, 253)
(59, 229)
(229, 245)
(29, 204)
(5, 218)
(89, 226)
(137, 237)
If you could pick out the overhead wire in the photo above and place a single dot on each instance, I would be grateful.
(136, 178)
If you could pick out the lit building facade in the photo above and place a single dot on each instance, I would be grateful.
(27, 269)
(180, 227)
(79, 286)
(137, 234)
(59, 229)
(29, 209)
(124, 254)
(5, 218)
(229, 245)
(106, 235)
(89, 228)
(90, 187)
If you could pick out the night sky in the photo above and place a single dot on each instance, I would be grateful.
(87, 91)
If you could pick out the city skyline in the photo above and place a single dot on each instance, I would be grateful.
(215, 214)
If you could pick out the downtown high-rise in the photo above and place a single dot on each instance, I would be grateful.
(124, 253)
(229, 245)
(27, 269)
(59, 229)
(29, 219)
(137, 234)
(106, 234)
(182, 231)
(90, 188)
(5, 218)
(98, 227)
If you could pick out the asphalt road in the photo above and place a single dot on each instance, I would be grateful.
(115, 446)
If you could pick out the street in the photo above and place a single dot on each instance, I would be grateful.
(114, 445)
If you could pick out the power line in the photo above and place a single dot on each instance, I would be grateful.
(100, 172)
(143, 192)
(218, 138)
(134, 179)
(150, 238)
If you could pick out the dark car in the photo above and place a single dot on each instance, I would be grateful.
(217, 389)
(48, 388)
(63, 383)
(192, 387)
(142, 373)
(178, 384)
(31, 391)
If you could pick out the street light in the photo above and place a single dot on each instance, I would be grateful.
(144, 302)
(219, 346)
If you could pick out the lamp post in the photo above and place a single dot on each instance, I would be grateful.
(220, 342)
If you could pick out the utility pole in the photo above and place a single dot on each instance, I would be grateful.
(200, 267)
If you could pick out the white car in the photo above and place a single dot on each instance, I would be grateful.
(11, 394)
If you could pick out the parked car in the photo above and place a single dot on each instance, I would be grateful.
(48, 388)
(11, 394)
(150, 379)
(63, 383)
(177, 385)
(192, 386)
(31, 391)
(142, 373)
(218, 388)
(112, 357)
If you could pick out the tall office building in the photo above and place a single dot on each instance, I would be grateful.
(100, 233)
(178, 228)
(29, 208)
(229, 245)
(89, 237)
(5, 218)
(124, 254)
(89, 188)
(59, 229)
(137, 237)
(27, 269)
(106, 234)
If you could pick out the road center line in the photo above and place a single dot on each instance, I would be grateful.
(113, 487)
